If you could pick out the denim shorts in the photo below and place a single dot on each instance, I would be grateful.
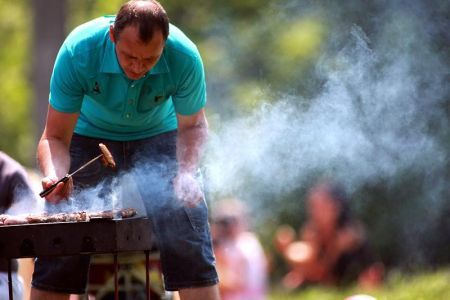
(182, 233)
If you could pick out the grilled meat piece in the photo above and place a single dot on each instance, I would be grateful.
(55, 218)
(107, 158)
(15, 220)
(2, 218)
(41, 218)
(80, 216)
(127, 212)
(44, 218)
(111, 214)
(105, 214)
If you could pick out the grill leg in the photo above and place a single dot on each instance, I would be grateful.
(10, 283)
(116, 277)
(147, 275)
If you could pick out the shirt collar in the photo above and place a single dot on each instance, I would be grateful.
(161, 66)
(110, 64)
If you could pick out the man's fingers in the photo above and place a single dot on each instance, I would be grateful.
(61, 191)
(55, 196)
(192, 199)
(191, 196)
(48, 182)
(187, 189)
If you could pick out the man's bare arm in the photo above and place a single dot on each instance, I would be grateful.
(53, 150)
(192, 135)
(191, 138)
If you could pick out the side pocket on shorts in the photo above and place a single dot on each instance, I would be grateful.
(198, 216)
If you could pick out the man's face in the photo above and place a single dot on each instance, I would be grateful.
(135, 57)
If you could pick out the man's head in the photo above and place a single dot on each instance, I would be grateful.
(139, 32)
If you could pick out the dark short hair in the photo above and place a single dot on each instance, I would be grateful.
(339, 196)
(148, 18)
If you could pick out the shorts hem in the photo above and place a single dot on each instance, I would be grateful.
(192, 284)
(49, 288)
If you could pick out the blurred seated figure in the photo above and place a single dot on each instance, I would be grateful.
(240, 258)
(332, 247)
(14, 189)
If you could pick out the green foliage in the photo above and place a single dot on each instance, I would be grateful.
(425, 286)
(84, 10)
(15, 62)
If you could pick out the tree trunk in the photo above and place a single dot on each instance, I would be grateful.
(48, 35)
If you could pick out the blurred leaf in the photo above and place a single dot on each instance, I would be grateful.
(250, 94)
(302, 40)
(15, 115)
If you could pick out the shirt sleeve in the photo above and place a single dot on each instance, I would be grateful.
(190, 96)
(14, 185)
(20, 187)
(66, 91)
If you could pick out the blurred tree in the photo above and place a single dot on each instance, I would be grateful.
(84, 10)
(15, 119)
(48, 34)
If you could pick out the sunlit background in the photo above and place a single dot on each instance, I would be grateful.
(353, 90)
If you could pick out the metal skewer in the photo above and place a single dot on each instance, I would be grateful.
(65, 178)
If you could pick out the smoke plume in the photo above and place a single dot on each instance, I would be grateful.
(380, 113)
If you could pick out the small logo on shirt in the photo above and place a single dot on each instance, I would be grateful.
(96, 88)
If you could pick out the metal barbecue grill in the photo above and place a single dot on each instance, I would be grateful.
(97, 236)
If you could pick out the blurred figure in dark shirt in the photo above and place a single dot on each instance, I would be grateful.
(14, 186)
(332, 247)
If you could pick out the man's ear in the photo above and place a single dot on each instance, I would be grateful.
(111, 34)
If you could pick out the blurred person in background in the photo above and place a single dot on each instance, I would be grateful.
(332, 248)
(241, 261)
(14, 188)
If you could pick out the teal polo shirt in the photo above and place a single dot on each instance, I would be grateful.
(88, 79)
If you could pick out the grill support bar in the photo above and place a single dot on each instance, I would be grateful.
(116, 277)
(10, 284)
(147, 275)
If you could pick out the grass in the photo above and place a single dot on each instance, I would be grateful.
(424, 286)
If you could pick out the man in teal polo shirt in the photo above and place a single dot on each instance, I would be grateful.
(126, 82)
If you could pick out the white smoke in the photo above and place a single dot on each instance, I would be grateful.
(371, 120)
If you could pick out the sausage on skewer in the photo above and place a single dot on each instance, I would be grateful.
(107, 158)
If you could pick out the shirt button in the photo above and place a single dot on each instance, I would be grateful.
(131, 102)
(132, 85)
(127, 115)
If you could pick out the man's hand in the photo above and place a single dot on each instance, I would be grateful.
(62, 190)
(187, 189)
